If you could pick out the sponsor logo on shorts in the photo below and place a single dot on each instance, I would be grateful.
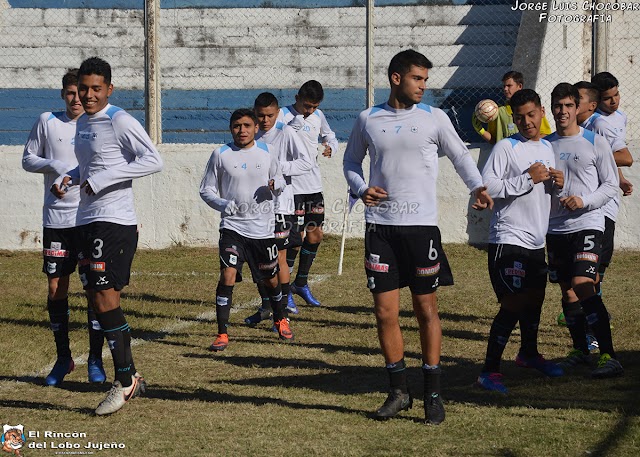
(51, 267)
(56, 252)
(97, 266)
(56, 245)
(232, 250)
(102, 280)
(373, 264)
(233, 259)
(428, 271)
(517, 282)
(517, 270)
(268, 266)
(591, 270)
(317, 210)
(281, 235)
(586, 256)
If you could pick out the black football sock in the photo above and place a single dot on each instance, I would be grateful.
(308, 253)
(224, 295)
(118, 335)
(398, 375)
(59, 319)
(432, 374)
(96, 335)
(598, 318)
(275, 295)
(265, 302)
(576, 322)
(501, 328)
(529, 323)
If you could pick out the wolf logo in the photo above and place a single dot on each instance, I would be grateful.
(12, 438)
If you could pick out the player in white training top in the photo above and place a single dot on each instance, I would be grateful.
(576, 225)
(50, 151)
(520, 176)
(402, 240)
(112, 149)
(240, 181)
(311, 124)
(295, 161)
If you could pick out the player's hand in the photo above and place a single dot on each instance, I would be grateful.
(374, 195)
(272, 185)
(477, 125)
(557, 176)
(572, 203)
(62, 189)
(87, 188)
(327, 149)
(483, 199)
(538, 172)
(626, 186)
(231, 208)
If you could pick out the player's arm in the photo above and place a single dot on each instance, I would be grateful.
(300, 162)
(625, 185)
(209, 191)
(621, 153)
(496, 167)
(134, 140)
(33, 157)
(607, 176)
(479, 128)
(457, 152)
(352, 164)
(328, 136)
(276, 179)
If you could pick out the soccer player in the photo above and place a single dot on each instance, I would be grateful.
(294, 161)
(520, 176)
(240, 181)
(311, 124)
(576, 226)
(112, 149)
(503, 126)
(49, 150)
(402, 240)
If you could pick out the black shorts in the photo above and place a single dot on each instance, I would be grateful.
(514, 269)
(310, 210)
(260, 255)
(60, 251)
(285, 232)
(574, 254)
(607, 244)
(107, 254)
(400, 256)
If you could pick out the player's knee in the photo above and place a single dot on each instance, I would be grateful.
(228, 276)
(583, 287)
(58, 288)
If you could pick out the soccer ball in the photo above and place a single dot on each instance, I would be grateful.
(486, 110)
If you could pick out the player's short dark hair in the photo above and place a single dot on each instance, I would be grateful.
(311, 91)
(592, 90)
(70, 78)
(402, 62)
(96, 66)
(604, 81)
(517, 77)
(242, 112)
(524, 96)
(265, 100)
(564, 90)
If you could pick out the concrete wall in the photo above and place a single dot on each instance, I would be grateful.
(170, 210)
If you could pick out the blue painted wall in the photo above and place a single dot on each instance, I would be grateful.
(205, 113)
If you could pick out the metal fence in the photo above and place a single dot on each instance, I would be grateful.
(213, 57)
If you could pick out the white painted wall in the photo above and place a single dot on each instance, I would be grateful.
(170, 210)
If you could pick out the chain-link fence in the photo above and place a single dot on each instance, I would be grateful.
(215, 57)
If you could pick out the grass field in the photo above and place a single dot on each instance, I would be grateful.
(314, 396)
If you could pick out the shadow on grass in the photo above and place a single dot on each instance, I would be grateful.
(39, 406)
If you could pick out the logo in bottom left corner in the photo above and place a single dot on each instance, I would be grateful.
(12, 438)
